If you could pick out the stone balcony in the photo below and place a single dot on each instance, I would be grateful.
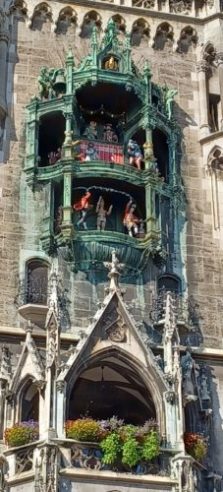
(32, 302)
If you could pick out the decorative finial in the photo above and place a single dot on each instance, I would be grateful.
(5, 365)
(114, 273)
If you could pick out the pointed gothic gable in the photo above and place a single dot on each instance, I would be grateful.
(29, 363)
(114, 328)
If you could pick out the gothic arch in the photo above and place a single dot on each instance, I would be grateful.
(120, 22)
(27, 400)
(18, 5)
(215, 159)
(91, 19)
(164, 36)
(140, 30)
(215, 168)
(66, 18)
(188, 38)
(42, 14)
(209, 52)
(147, 377)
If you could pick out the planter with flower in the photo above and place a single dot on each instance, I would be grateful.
(22, 433)
(196, 445)
(116, 445)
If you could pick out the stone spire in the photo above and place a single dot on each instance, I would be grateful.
(115, 269)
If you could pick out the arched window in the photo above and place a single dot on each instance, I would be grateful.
(164, 37)
(36, 282)
(215, 169)
(169, 282)
(51, 138)
(91, 19)
(188, 38)
(29, 402)
(42, 14)
(67, 18)
(140, 32)
(111, 386)
(120, 22)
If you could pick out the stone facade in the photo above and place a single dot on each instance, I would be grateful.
(183, 44)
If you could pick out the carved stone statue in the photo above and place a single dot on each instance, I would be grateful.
(91, 131)
(44, 83)
(168, 97)
(102, 214)
(83, 206)
(188, 373)
(130, 220)
(134, 154)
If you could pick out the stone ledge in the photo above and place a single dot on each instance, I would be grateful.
(114, 476)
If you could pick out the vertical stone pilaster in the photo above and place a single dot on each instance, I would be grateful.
(202, 68)
(220, 72)
(4, 39)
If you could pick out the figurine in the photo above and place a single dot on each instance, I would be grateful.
(168, 97)
(134, 154)
(130, 220)
(102, 213)
(111, 64)
(109, 135)
(54, 156)
(83, 206)
(91, 131)
(91, 153)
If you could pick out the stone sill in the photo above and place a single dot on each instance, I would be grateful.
(117, 476)
(211, 136)
(21, 478)
(13, 450)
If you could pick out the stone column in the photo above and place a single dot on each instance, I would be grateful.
(219, 57)
(172, 142)
(150, 210)
(148, 150)
(202, 68)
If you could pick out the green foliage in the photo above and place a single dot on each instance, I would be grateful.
(83, 430)
(151, 447)
(131, 452)
(111, 447)
(199, 450)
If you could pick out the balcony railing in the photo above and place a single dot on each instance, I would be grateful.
(101, 151)
(88, 456)
(32, 292)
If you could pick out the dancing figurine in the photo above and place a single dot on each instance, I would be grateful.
(83, 206)
(91, 153)
(130, 220)
(102, 214)
(109, 134)
(134, 154)
(91, 132)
